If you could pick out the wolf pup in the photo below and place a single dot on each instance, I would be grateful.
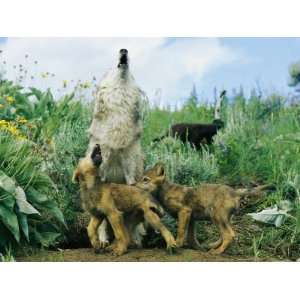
(214, 201)
(111, 201)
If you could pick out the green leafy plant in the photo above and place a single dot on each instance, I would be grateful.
(27, 209)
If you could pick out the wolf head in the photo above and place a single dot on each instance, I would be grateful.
(153, 179)
(87, 169)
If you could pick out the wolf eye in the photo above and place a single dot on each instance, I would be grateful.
(146, 179)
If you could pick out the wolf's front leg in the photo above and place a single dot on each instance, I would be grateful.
(154, 220)
(92, 233)
(121, 235)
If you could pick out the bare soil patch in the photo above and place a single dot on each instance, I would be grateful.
(138, 255)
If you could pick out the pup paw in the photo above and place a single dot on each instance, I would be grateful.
(179, 243)
(171, 243)
(118, 251)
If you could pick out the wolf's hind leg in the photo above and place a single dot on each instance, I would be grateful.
(227, 234)
(184, 216)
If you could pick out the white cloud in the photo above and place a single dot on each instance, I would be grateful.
(171, 65)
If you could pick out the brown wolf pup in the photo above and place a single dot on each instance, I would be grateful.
(111, 201)
(214, 201)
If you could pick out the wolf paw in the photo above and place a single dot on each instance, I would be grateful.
(118, 251)
(171, 244)
(179, 243)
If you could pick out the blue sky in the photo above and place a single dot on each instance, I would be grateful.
(264, 59)
(164, 68)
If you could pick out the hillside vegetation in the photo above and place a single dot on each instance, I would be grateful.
(42, 139)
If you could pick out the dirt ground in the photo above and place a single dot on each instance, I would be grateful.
(137, 255)
(241, 249)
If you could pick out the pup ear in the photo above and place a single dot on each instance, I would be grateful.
(96, 155)
(160, 169)
(75, 178)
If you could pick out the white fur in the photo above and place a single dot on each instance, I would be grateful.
(102, 232)
(117, 128)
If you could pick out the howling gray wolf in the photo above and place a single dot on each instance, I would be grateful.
(117, 128)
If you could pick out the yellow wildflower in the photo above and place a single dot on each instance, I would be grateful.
(21, 120)
(65, 83)
(9, 99)
(3, 123)
(13, 130)
(86, 85)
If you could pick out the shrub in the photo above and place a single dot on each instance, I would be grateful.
(27, 208)
(184, 164)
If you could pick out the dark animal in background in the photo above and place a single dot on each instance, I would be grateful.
(194, 133)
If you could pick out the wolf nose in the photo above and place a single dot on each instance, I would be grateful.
(123, 51)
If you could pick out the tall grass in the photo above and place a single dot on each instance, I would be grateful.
(259, 144)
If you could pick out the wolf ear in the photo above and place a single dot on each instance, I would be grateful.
(160, 169)
(75, 178)
(96, 155)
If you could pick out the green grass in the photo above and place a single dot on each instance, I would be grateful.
(259, 144)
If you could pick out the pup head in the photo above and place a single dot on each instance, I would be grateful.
(153, 178)
(86, 171)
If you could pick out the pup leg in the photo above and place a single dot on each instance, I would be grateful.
(121, 235)
(92, 233)
(217, 243)
(154, 220)
(102, 234)
(184, 216)
(227, 234)
(192, 235)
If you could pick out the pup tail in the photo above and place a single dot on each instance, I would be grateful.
(251, 196)
(255, 192)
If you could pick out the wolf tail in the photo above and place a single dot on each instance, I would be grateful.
(250, 196)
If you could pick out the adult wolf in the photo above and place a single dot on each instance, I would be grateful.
(117, 128)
